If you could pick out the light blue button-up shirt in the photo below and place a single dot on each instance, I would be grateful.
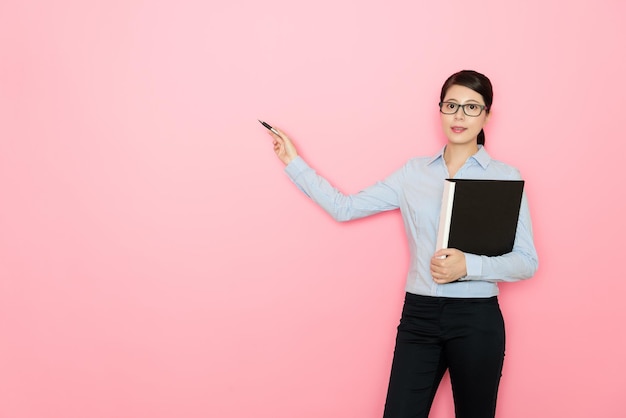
(416, 189)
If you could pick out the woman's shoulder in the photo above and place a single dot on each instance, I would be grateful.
(412, 168)
(418, 164)
(420, 160)
(425, 160)
(504, 169)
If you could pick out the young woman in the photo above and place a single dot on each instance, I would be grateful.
(451, 319)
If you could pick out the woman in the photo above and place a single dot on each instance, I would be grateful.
(451, 319)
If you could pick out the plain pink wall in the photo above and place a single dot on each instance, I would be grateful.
(155, 261)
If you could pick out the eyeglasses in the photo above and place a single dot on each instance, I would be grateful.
(470, 109)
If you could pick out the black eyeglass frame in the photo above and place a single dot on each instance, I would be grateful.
(462, 106)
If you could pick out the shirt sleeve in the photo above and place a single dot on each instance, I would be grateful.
(382, 196)
(521, 263)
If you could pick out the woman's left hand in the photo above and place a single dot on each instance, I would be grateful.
(448, 265)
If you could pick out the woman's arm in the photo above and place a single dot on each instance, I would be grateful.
(380, 197)
(519, 264)
(449, 264)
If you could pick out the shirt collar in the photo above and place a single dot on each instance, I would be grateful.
(482, 157)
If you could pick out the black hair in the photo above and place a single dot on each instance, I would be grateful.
(475, 81)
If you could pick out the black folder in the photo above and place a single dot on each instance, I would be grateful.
(480, 216)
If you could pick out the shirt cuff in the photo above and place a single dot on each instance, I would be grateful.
(473, 265)
(295, 167)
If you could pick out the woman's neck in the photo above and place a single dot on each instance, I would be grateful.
(455, 156)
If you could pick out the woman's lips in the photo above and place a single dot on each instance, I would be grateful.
(458, 129)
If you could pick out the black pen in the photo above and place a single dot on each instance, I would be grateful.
(268, 126)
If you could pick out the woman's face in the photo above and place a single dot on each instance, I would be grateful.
(458, 127)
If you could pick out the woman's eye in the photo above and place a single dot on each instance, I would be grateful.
(451, 106)
(471, 106)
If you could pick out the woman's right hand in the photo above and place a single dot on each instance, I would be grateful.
(283, 147)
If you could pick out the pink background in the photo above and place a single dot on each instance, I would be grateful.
(155, 261)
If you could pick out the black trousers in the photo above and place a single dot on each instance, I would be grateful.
(462, 335)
